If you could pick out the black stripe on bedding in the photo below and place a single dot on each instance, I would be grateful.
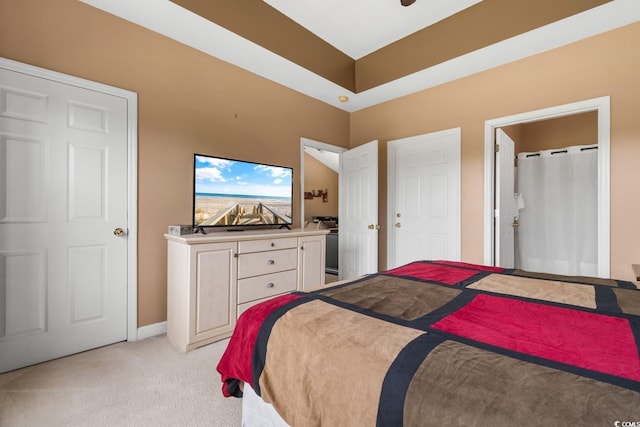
(424, 323)
(606, 300)
(398, 378)
(260, 349)
(625, 284)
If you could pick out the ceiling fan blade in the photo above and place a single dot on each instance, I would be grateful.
(407, 2)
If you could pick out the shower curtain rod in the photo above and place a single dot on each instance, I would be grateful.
(562, 151)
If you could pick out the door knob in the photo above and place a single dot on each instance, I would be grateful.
(119, 232)
(373, 227)
(398, 225)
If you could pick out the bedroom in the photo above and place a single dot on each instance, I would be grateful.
(189, 102)
(127, 56)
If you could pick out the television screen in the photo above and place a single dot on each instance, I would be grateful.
(238, 193)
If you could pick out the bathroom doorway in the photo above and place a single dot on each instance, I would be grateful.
(498, 218)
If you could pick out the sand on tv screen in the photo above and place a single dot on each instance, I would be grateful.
(239, 193)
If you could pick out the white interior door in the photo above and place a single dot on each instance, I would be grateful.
(505, 202)
(64, 191)
(358, 237)
(425, 220)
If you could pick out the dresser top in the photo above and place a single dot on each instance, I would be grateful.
(235, 236)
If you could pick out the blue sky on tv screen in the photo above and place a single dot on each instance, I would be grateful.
(222, 176)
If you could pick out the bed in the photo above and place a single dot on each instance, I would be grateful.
(444, 343)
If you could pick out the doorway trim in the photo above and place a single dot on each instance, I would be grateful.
(307, 142)
(603, 106)
(132, 172)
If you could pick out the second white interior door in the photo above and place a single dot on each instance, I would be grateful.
(425, 197)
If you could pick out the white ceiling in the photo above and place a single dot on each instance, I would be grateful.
(359, 27)
(175, 22)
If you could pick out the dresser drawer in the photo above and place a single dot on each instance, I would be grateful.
(258, 263)
(268, 285)
(267, 244)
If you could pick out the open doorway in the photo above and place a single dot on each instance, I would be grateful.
(548, 201)
(498, 226)
(357, 223)
(319, 183)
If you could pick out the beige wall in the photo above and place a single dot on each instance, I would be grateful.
(607, 64)
(188, 102)
(561, 132)
(317, 176)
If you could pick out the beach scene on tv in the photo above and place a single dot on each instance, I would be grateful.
(232, 192)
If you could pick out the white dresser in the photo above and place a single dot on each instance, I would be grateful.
(212, 278)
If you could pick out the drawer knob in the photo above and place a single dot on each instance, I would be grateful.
(270, 285)
(272, 244)
(271, 262)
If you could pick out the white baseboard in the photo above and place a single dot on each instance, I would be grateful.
(152, 330)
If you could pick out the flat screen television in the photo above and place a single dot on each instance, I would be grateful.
(236, 193)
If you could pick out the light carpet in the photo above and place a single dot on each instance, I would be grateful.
(144, 383)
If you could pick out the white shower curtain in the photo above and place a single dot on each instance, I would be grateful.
(558, 230)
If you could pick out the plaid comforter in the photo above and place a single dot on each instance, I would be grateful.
(444, 343)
